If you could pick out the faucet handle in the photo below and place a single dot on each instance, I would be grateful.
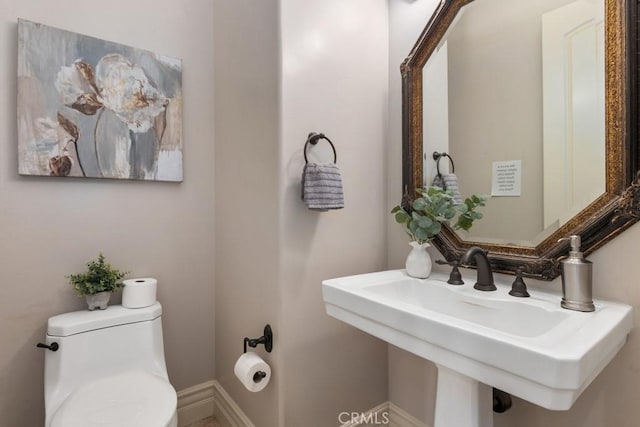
(519, 288)
(455, 278)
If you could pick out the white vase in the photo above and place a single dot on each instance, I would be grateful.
(419, 261)
(99, 300)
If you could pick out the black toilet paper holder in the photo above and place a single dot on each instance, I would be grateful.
(266, 339)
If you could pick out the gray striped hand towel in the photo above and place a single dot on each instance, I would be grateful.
(322, 187)
(438, 181)
(451, 184)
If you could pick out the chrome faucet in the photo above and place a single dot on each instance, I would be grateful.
(485, 275)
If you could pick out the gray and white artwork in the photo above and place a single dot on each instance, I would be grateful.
(97, 109)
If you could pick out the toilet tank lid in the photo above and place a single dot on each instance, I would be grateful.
(77, 322)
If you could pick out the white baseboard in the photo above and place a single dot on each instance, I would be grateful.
(227, 412)
(380, 415)
(207, 399)
(210, 398)
(401, 418)
(196, 403)
(386, 414)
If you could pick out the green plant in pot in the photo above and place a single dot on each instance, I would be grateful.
(97, 283)
(423, 219)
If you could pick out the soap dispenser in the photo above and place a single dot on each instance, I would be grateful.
(576, 278)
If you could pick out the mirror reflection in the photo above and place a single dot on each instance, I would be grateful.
(515, 94)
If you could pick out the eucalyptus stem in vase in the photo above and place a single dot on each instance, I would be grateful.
(423, 220)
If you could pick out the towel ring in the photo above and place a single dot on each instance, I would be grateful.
(437, 156)
(313, 139)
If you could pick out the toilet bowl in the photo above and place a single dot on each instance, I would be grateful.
(108, 370)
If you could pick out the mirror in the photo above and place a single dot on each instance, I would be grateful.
(540, 75)
(532, 109)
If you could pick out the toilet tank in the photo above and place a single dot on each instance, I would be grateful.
(100, 343)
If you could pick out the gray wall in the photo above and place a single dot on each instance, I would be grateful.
(246, 177)
(51, 227)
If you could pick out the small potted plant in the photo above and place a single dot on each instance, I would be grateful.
(423, 220)
(97, 283)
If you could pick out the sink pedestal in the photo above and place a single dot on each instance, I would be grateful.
(462, 401)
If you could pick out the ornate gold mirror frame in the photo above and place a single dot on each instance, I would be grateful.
(611, 213)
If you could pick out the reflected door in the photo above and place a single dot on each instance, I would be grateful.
(573, 109)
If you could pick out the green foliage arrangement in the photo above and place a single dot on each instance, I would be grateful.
(100, 277)
(435, 207)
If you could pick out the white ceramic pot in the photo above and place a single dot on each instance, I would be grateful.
(99, 300)
(419, 261)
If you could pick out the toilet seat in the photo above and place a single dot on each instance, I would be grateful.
(130, 399)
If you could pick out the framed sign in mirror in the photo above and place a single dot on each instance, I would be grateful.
(550, 90)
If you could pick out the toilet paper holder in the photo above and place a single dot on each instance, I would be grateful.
(266, 339)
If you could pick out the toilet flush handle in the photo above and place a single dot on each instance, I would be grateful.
(53, 347)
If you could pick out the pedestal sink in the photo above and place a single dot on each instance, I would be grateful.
(529, 347)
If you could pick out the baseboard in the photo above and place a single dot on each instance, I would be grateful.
(196, 403)
(227, 412)
(401, 418)
(379, 415)
(385, 414)
(210, 398)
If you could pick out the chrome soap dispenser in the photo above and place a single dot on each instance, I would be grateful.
(576, 278)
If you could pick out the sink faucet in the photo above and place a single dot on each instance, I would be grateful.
(485, 275)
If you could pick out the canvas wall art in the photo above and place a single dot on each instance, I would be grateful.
(96, 109)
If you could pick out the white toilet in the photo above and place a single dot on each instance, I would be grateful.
(108, 370)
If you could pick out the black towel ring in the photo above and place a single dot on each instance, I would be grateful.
(437, 156)
(313, 139)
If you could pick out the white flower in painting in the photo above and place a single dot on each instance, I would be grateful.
(71, 84)
(52, 133)
(118, 85)
(126, 90)
(77, 86)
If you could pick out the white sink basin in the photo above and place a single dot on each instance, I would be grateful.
(529, 347)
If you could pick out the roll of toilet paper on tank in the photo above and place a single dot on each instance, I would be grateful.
(138, 293)
(252, 371)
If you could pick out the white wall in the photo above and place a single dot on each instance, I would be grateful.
(282, 70)
(51, 227)
(435, 114)
(334, 80)
(611, 400)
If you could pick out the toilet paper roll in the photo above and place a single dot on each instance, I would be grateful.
(138, 293)
(252, 371)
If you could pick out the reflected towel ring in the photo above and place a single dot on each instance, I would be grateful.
(313, 139)
(437, 156)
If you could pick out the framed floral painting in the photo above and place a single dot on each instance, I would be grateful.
(96, 109)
